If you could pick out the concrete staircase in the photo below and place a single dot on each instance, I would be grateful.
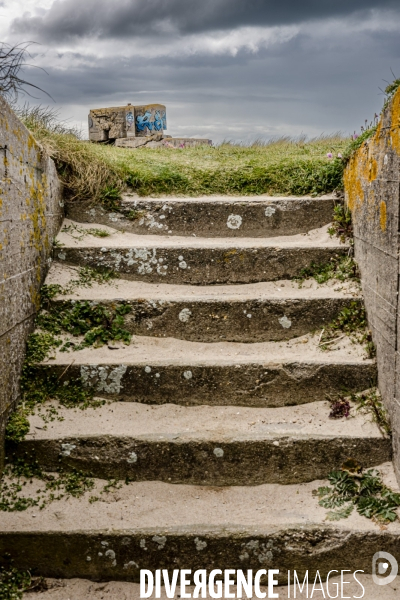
(217, 409)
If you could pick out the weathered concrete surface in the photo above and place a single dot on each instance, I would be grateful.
(158, 525)
(202, 320)
(248, 313)
(159, 371)
(30, 216)
(198, 261)
(81, 589)
(211, 216)
(205, 445)
(372, 182)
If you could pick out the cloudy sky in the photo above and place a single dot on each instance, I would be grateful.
(226, 69)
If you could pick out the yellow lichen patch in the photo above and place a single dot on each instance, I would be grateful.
(373, 170)
(395, 127)
(31, 142)
(382, 215)
(353, 182)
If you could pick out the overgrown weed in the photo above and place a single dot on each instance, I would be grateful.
(351, 488)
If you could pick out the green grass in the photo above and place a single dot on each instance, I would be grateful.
(102, 172)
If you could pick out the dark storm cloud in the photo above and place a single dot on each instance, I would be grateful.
(102, 18)
(301, 85)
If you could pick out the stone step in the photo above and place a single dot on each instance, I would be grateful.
(162, 370)
(205, 445)
(197, 261)
(211, 216)
(154, 525)
(81, 589)
(242, 313)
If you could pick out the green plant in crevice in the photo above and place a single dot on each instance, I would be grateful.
(98, 324)
(134, 215)
(363, 491)
(351, 321)
(342, 268)
(371, 401)
(86, 277)
(13, 583)
(342, 226)
(78, 233)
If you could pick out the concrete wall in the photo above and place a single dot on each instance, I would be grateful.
(372, 184)
(30, 216)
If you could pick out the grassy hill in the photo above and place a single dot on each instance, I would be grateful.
(102, 172)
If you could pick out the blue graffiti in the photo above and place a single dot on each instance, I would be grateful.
(143, 121)
(130, 118)
(158, 122)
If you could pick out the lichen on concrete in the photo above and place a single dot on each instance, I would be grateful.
(30, 216)
(372, 184)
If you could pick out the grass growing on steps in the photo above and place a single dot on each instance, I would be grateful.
(342, 268)
(351, 321)
(101, 172)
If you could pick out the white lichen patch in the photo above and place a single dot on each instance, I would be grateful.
(66, 449)
(62, 255)
(144, 259)
(269, 211)
(132, 458)
(111, 555)
(188, 375)
(219, 453)
(103, 379)
(200, 544)
(151, 223)
(285, 322)
(234, 221)
(182, 262)
(185, 315)
(131, 564)
(263, 552)
(147, 369)
(160, 540)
